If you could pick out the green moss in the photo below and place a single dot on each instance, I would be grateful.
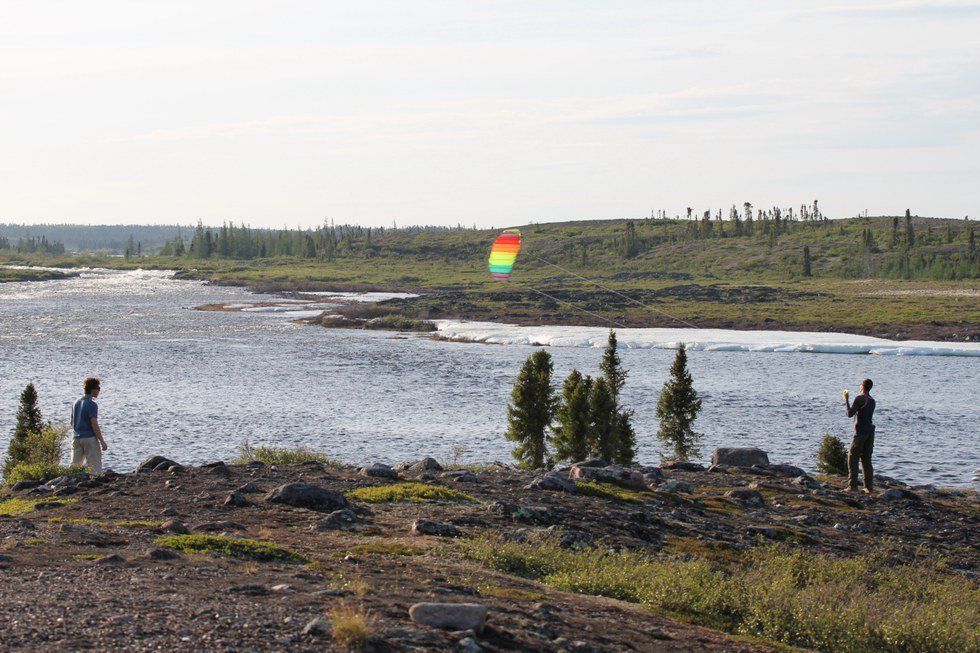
(232, 547)
(511, 593)
(416, 492)
(16, 506)
(139, 523)
(607, 491)
(384, 548)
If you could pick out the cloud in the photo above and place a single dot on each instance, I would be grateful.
(938, 9)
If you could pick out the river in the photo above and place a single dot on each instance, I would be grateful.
(192, 385)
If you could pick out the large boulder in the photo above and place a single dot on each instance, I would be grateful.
(307, 495)
(740, 457)
(751, 497)
(154, 463)
(430, 527)
(420, 467)
(683, 466)
(452, 616)
(553, 481)
(378, 470)
(783, 469)
(612, 474)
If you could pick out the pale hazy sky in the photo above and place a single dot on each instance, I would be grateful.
(290, 112)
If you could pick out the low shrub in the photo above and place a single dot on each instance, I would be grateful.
(280, 455)
(44, 471)
(232, 547)
(416, 492)
(400, 323)
(793, 597)
(832, 456)
(45, 447)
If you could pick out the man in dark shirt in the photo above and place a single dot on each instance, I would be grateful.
(862, 410)
(87, 443)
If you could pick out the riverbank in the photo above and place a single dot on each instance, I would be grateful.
(19, 274)
(157, 559)
(939, 311)
(628, 295)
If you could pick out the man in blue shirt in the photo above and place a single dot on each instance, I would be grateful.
(87, 443)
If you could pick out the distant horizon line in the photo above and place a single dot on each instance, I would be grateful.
(696, 216)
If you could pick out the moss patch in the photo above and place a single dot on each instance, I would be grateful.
(606, 491)
(232, 547)
(138, 523)
(384, 548)
(416, 492)
(16, 506)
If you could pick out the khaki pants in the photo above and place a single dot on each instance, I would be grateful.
(861, 448)
(88, 452)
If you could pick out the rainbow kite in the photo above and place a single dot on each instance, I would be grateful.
(504, 253)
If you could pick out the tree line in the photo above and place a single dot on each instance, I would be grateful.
(587, 418)
(33, 245)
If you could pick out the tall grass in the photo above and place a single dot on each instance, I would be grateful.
(852, 605)
(279, 455)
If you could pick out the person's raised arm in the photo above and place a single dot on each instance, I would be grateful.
(853, 409)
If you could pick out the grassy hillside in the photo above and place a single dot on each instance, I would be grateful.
(867, 275)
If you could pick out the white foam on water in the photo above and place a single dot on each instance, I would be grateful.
(699, 339)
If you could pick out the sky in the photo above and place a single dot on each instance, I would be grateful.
(492, 113)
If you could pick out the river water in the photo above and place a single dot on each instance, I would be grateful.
(192, 385)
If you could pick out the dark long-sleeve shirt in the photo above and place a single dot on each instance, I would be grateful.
(862, 410)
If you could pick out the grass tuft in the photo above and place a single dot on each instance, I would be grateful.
(606, 491)
(350, 626)
(792, 597)
(232, 546)
(415, 492)
(280, 455)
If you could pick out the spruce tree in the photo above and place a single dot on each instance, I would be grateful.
(615, 377)
(625, 438)
(677, 409)
(806, 261)
(531, 409)
(612, 368)
(29, 423)
(603, 421)
(570, 433)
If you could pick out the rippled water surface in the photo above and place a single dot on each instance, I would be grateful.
(193, 384)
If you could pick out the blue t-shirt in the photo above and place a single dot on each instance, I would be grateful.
(82, 414)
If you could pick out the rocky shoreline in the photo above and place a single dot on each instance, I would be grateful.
(255, 557)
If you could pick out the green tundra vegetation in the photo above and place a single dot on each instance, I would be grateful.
(742, 268)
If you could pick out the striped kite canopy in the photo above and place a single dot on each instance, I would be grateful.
(504, 253)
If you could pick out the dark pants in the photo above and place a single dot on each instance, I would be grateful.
(861, 447)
